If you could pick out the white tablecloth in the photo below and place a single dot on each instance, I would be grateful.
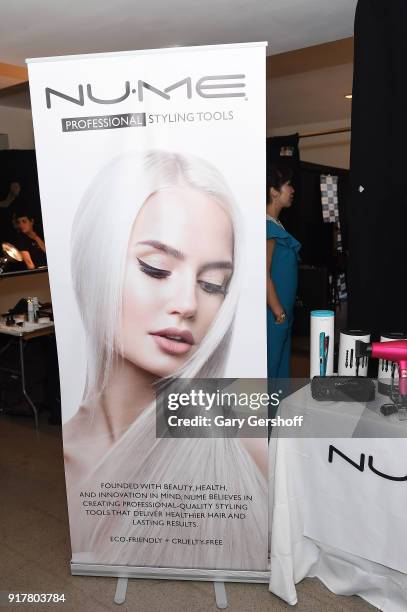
(340, 521)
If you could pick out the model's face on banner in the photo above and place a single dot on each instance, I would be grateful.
(179, 263)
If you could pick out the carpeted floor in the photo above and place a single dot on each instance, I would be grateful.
(35, 550)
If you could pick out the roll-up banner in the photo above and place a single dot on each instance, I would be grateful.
(152, 176)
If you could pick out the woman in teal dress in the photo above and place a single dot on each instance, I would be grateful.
(282, 274)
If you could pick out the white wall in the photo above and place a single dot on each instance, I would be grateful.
(3, 141)
(333, 150)
(17, 124)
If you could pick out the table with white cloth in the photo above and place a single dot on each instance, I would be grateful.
(339, 501)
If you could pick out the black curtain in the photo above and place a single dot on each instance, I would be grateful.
(304, 218)
(318, 258)
(318, 236)
(378, 205)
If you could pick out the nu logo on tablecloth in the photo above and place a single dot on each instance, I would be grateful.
(361, 465)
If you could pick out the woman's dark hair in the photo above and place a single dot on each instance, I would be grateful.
(23, 212)
(276, 178)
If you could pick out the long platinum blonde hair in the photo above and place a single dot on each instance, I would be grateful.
(100, 236)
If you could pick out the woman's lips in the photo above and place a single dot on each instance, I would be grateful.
(174, 341)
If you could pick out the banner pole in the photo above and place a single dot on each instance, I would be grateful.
(168, 573)
(121, 591)
(220, 595)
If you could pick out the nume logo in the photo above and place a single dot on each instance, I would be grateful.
(361, 465)
(211, 86)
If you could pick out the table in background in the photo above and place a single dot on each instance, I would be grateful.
(336, 514)
(21, 335)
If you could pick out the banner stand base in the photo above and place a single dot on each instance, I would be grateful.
(124, 572)
(169, 573)
(121, 591)
(220, 595)
(219, 587)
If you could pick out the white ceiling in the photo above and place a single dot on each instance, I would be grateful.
(38, 28)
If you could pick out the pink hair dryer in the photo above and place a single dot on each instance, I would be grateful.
(392, 351)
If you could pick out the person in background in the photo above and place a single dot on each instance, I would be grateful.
(13, 193)
(29, 243)
(282, 274)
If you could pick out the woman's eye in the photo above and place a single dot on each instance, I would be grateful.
(212, 287)
(151, 271)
